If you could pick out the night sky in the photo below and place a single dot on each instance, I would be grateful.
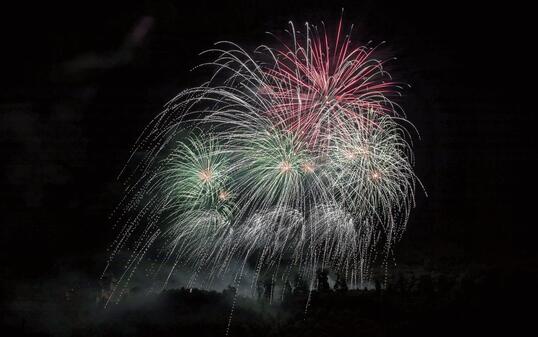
(78, 88)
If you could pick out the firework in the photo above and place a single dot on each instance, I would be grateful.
(302, 164)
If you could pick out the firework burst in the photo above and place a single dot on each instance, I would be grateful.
(306, 166)
(317, 87)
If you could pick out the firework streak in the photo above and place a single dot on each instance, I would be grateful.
(288, 160)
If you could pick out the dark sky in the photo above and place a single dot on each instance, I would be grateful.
(78, 88)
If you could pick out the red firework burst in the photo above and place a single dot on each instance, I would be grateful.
(316, 86)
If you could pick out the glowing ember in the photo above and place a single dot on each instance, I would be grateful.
(285, 167)
(363, 151)
(205, 175)
(224, 195)
(376, 175)
(349, 154)
(307, 167)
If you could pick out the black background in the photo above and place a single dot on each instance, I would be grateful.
(66, 131)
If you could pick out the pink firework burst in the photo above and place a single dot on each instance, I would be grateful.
(317, 86)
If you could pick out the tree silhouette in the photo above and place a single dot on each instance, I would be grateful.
(268, 290)
(341, 284)
(323, 281)
(301, 287)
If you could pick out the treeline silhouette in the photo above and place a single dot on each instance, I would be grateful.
(478, 302)
(430, 304)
